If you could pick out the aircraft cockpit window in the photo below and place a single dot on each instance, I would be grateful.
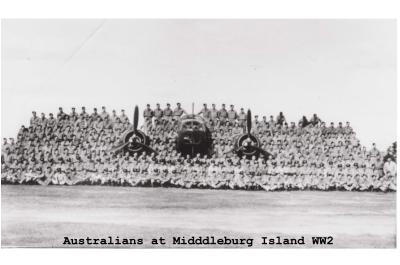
(192, 126)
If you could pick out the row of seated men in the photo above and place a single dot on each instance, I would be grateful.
(202, 172)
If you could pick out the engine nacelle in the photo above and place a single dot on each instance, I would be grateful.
(244, 141)
(135, 137)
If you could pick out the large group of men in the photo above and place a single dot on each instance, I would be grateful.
(74, 148)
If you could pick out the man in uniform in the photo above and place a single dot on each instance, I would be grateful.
(60, 114)
(43, 120)
(213, 114)
(124, 119)
(113, 117)
(51, 122)
(220, 179)
(206, 113)
(34, 120)
(315, 120)
(154, 172)
(98, 124)
(144, 173)
(340, 129)
(389, 168)
(264, 125)
(176, 173)
(158, 113)
(148, 117)
(271, 121)
(232, 115)
(46, 177)
(331, 129)
(167, 113)
(104, 114)
(94, 115)
(300, 177)
(256, 124)
(222, 115)
(274, 178)
(182, 171)
(365, 180)
(165, 170)
(135, 171)
(348, 176)
(242, 117)
(73, 113)
(280, 119)
(5, 146)
(178, 111)
(83, 113)
(348, 129)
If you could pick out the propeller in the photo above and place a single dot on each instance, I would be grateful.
(254, 147)
(230, 151)
(118, 147)
(135, 132)
(248, 122)
(234, 150)
(147, 147)
(135, 118)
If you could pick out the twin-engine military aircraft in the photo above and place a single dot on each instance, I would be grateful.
(194, 137)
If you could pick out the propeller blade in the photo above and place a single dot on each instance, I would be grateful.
(262, 151)
(146, 147)
(119, 147)
(240, 149)
(248, 122)
(135, 118)
(229, 151)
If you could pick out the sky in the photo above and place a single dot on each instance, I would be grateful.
(343, 70)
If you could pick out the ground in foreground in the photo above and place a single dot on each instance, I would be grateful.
(36, 216)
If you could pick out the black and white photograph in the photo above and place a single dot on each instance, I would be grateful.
(198, 133)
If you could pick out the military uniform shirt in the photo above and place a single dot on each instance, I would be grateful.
(223, 114)
(167, 112)
(242, 117)
(158, 113)
(232, 115)
(206, 113)
(148, 113)
(214, 114)
(178, 112)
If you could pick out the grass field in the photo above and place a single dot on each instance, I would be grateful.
(36, 216)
